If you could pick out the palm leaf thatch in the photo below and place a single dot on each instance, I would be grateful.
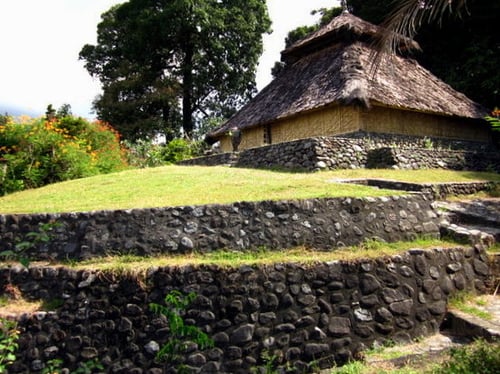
(333, 67)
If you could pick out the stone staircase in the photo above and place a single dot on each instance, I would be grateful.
(476, 221)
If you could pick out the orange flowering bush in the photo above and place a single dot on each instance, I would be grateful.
(494, 119)
(37, 152)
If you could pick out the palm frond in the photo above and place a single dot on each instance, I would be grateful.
(403, 23)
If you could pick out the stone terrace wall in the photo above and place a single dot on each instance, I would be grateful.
(212, 160)
(432, 159)
(436, 190)
(304, 315)
(319, 223)
(360, 150)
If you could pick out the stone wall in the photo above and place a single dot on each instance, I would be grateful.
(306, 316)
(432, 159)
(360, 150)
(212, 160)
(319, 223)
(436, 190)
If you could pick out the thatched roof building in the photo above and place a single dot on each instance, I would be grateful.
(329, 87)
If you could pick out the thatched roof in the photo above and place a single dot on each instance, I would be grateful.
(345, 28)
(342, 75)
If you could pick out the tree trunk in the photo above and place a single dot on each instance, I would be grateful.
(187, 110)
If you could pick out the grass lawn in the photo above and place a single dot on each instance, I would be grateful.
(194, 185)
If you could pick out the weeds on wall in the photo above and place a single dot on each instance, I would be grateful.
(8, 343)
(32, 240)
(181, 335)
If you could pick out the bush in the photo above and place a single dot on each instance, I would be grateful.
(145, 153)
(180, 149)
(480, 357)
(38, 152)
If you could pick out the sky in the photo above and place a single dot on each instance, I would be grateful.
(40, 41)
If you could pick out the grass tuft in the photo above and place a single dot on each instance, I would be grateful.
(470, 303)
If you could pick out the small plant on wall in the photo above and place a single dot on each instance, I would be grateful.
(181, 335)
(8, 343)
(31, 241)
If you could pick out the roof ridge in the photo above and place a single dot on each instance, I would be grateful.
(354, 88)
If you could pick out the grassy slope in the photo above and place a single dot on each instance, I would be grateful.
(176, 185)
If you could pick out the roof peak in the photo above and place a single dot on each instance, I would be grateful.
(346, 28)
(343, 4)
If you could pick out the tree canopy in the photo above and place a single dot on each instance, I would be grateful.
(166, 64)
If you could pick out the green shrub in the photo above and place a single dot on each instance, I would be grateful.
(38, 152)
(178, 150)
(480, 357)
(145, 153)
(494, 119)
(180, 334)
(8, 343)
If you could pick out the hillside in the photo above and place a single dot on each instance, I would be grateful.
(177, 185)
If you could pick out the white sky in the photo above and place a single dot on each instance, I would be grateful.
(40, 41)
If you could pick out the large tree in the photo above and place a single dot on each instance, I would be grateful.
(164, 64)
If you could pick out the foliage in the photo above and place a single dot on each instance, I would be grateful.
(180, 334)
(31, 240)
(40, 152)
(53, 366)
(8, 343)
(145, 153)
(480, 357)
(165, 64)
(494, 119)
(469, 303)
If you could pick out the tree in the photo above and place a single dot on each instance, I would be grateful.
(165, 64)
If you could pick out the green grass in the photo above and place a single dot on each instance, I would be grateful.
(195, 185)
(479, 357)
(470, 303)
(131, 264)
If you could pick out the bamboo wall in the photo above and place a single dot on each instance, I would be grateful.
(330, 121)
(341, 120)
(393, 121)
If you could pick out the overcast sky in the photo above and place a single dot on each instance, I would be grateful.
(40, 41)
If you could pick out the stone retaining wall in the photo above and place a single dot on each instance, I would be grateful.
(306, 316)
(436, 190)
(432, 159)
(319, 223)
(360, 150)
(212, 160)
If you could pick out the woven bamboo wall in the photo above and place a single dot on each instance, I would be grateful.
(340, 120)
(250, 138)
(392, 121)
(330, 121)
